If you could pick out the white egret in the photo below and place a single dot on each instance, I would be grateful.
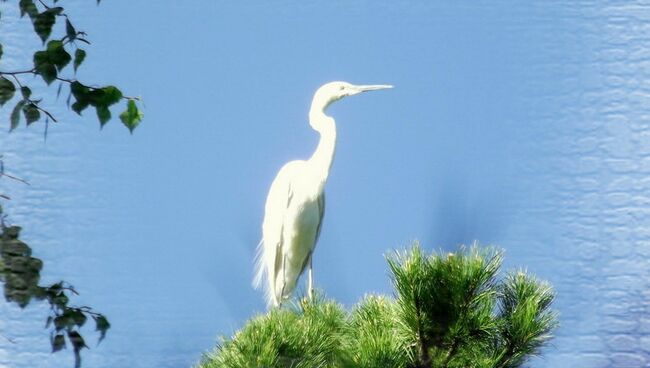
(295, 205)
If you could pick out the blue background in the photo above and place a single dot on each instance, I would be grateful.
(522, 125)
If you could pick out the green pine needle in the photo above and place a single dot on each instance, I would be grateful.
(449, 310)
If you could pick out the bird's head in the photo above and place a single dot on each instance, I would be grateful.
(334, 91)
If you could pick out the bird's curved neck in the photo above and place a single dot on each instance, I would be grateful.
(326, 126)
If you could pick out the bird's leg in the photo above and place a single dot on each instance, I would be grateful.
(284, 278)
(310, 283)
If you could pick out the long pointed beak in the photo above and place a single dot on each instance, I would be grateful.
(372, 87)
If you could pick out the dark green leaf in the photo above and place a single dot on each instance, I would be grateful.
(48, 322)
(28, 7)
(36, 265)
(43, 23)
(0, 50)
(44, 67)
(79, 106)
(39, 291)
(131, 117)
(76, 340)
(31, 113)
(58, 343)
(102, 98)
(96, 97)
(46, 62)
(15, 115)
(79, 91)
(81, 94)
(55, 288)
(104, 114)
(7, 90)
(60, 300)
(26, 92)
(60, 322)
(102, 326)
(79, 317)
(69, 30)
(109, 95)
(79, 57)
(57, 54)
(78, 343)
(65, 320)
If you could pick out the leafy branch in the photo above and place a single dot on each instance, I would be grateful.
(20, 273)
(50, 63)
(9, 176)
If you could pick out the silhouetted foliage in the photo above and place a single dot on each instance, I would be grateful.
(449, 310)
(20, 273)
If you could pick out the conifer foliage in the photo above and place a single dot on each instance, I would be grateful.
(448, 310)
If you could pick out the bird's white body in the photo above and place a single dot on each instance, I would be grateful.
(296, 193)
(295, 205)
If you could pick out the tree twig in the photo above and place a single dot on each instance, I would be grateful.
(8, 339)
(34, 102)
(423, 348)
(45, 5)
(45, 112)
(14, 178)
(31, 71)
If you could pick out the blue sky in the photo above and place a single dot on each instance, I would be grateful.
(158, 229)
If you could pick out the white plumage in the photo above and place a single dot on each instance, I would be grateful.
(295, 205)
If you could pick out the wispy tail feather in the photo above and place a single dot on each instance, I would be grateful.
(260, 266)
(261, 279)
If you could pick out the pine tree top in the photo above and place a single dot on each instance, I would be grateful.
(448, 310)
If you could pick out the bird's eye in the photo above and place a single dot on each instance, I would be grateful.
(342, 88)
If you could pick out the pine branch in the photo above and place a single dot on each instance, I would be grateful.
(424, 360)
(411, 330)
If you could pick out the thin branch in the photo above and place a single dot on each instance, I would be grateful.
(424, 360)
(45, 5)
(31, 71)
(505, 357)
(45, 112)
(70, 289)
(8, 339)
(14, 178)
(33, 102)
(66, 39)
(94, 88)
(89, 311)
(17, 80)
(464, 310)
(66, 80)
(451, 352)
